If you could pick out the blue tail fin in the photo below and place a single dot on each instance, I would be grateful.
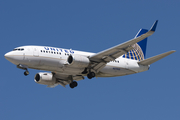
(139, 51)
(142, 43)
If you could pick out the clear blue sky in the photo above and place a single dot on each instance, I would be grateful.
(91, 26)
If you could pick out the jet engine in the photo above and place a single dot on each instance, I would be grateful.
(78, 61)
(45, 79)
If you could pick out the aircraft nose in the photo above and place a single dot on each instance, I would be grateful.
(14, 57)
(8, 56)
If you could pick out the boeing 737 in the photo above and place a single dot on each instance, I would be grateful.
(68, 66)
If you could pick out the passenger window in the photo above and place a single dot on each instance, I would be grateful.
(46, 51)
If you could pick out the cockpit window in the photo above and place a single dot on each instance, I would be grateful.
(18, 49)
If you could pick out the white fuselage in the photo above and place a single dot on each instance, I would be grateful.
(55, 60)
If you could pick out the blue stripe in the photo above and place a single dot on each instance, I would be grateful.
(143, 43)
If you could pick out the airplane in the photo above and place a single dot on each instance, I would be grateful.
(68, 66)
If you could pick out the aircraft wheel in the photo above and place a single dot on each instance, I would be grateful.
(91, 75)
(26, 73)
(73, 84)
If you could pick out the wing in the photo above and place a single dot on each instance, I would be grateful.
(102, 58)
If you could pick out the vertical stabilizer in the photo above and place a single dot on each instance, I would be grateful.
(139, 51)
(142, 43)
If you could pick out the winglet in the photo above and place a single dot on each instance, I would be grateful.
(153, 28)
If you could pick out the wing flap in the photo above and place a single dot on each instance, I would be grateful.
(155, 58)
(98, 66)
(64, 79)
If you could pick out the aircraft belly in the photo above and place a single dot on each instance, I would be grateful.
(114, 71)
(50, 64)
(74, 71)
(55, 65)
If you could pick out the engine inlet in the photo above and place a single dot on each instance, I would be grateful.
(37, 77)
(70, 59)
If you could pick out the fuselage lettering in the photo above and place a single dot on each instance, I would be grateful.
(52, 49)
(59, 49)
(66, 51)
(46, 48)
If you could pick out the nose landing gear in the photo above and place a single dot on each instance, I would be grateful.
(26, 73)
(24, 68)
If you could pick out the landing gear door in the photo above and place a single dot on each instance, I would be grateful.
(35, 52)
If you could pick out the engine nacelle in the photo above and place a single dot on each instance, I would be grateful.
(78, 61)
(45, 79)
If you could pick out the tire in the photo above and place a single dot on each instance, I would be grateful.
(93, 74)
(26, 73)
(73, 84)
(89, 76)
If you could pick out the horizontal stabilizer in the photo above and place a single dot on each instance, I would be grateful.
(155, 58)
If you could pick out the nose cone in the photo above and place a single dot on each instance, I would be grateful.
(12, 57)
(8, 56)
(15, 57)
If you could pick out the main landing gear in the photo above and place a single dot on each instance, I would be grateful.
(90, 75)
(73, 84)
